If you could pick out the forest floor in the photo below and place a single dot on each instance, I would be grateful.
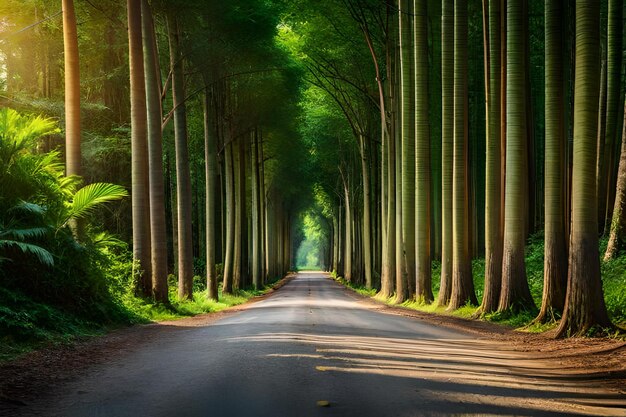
(530, 360)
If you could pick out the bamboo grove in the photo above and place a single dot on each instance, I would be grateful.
(464, 128)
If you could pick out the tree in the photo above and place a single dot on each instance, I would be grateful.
(158, 234)
(493, 191)
(447, 148)
(611, 142)
(72, 90)
(210, 149)
(584, 300)
(407, 126)
(618, 224)
(555, 260)
(462, 283)
(140, 195)
(515, 292)
(183, 179)
(423, 285)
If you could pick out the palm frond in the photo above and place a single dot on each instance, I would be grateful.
(42, 254)
(90, 196)
(104, 239)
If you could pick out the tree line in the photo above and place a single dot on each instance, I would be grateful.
(415, 130)
(188, 104)
(461, 132)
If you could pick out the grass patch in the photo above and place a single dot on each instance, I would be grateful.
(177, 309)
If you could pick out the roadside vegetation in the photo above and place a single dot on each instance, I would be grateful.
(613, 280)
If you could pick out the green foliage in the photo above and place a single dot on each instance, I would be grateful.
(44, 271)
(25, 323)
(177, 309)
(314, 227)
(613, 277)
(614, 285)
(90, 197)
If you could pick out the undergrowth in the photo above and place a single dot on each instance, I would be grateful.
(613, 278)
(28, 322)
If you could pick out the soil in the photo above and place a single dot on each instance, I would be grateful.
(24, 379)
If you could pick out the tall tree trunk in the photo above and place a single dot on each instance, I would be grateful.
(400, 261)
(347, 266)
(72, 102)
(434, 85)
(515, 292)
(462, 282)
(389, 235)
(263, 214)
(210, 155)
(72, 90)
(423, 284)
(256, 209)
(407, 125)
(238, 258)
(618, 223)
(227, 287)
(367, 217)
(158, 231)
(493, 231)
(142, 267)
(600, 163)
(584, 300)
(447, 147)
(183, 175)
(614, 72)
(555, 259)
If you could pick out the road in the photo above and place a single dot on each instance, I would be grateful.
(312, 341)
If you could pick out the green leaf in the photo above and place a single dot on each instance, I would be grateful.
(91, 196)
(25, 234)
(43, 255)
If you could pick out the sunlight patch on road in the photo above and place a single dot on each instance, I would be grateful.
(513, 378)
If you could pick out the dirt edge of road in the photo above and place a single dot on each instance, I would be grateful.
(601, 358)
(25, 378)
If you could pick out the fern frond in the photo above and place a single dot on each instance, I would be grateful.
(42, 254)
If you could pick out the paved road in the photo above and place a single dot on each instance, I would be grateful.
(314, 341)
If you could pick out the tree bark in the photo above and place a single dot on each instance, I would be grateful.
(72, 90)
(256, 209)
(210, 155)
(447, 148)
(618, 223)
(493, 230)
(158, 231)
(584, 300)
(407, 125)
(183, 175)
(515, 293)
(142, 266)
(227, 287)
(555, 259)
(614, 72)
(462, 282)
(423, 283)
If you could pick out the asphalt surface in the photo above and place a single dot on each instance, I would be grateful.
(314, 341)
